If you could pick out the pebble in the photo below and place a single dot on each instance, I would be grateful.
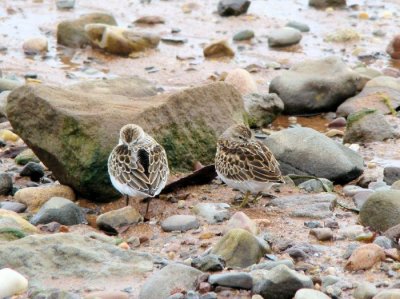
(25, 157)
(6, 183)
(33, 170)
(284, 37)
(12, 206)
(61, 210)
(209, 262)
(242, 81)
(150, 20)
(228, 8)
(36, 45)
(111, 221)
(239, 280)
(65, 4)
(218, 49)
(212, 212)
(384, 242)
(350, 232)
(272, 264)
(388, 294)
(243, 35)
(393, 49)
(12, 283)
(365, 257)
(391, 174)
(107, 295)
(322, 234)
(312, 224)
(351, 190)
(361, 197)
(35, 197)
(310, 294)
(365, 290)
(299, 26)
(180, 223)
(7, 135)
(241, 220)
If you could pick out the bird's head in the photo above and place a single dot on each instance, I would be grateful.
(239, 133)
(131, 134)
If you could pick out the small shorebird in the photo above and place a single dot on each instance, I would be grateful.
(246, 164)
(138, 165)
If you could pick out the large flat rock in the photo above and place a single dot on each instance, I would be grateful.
(72, 130)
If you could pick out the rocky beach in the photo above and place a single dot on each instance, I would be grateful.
(317, 81)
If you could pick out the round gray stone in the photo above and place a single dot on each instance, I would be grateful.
(180, 223)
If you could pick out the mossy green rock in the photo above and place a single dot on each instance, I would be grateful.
(239, 248)
(73, 130)
(25, 157)
(367, 125)
(381, 211)
(72, 33)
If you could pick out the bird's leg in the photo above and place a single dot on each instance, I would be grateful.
(127, 200)
(257, 197)
(245, 200)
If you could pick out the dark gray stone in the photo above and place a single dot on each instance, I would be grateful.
(384, 242)
(33, 170)
(61, 210)
(240, 280)
(209, 262)
(272, 264)
(326, 3)
(228, 8)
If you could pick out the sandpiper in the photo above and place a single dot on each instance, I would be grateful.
(246, 164)
(138, 165)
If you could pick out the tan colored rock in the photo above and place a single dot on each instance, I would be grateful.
(35, 45)
(365, 257)
(242, 81)
(120, 41)
(241, 220)
(71, 33)
(11, 223)
(114, 219)
(218, 49)
(107, 295)
(393, 49)
(35, 197)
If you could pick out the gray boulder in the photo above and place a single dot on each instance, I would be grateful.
(281, 283)
(73, 130)
(240, 280)
(381, 211)
(262, 109)
(368, 125)
(315, 85)
(305, 151)
(173, 276)
(90, 256)
(61, 210)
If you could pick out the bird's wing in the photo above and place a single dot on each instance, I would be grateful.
(247, 161)
(124, 165)
(158, 168)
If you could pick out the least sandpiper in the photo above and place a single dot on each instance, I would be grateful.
(244, 163)
(138, 165)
